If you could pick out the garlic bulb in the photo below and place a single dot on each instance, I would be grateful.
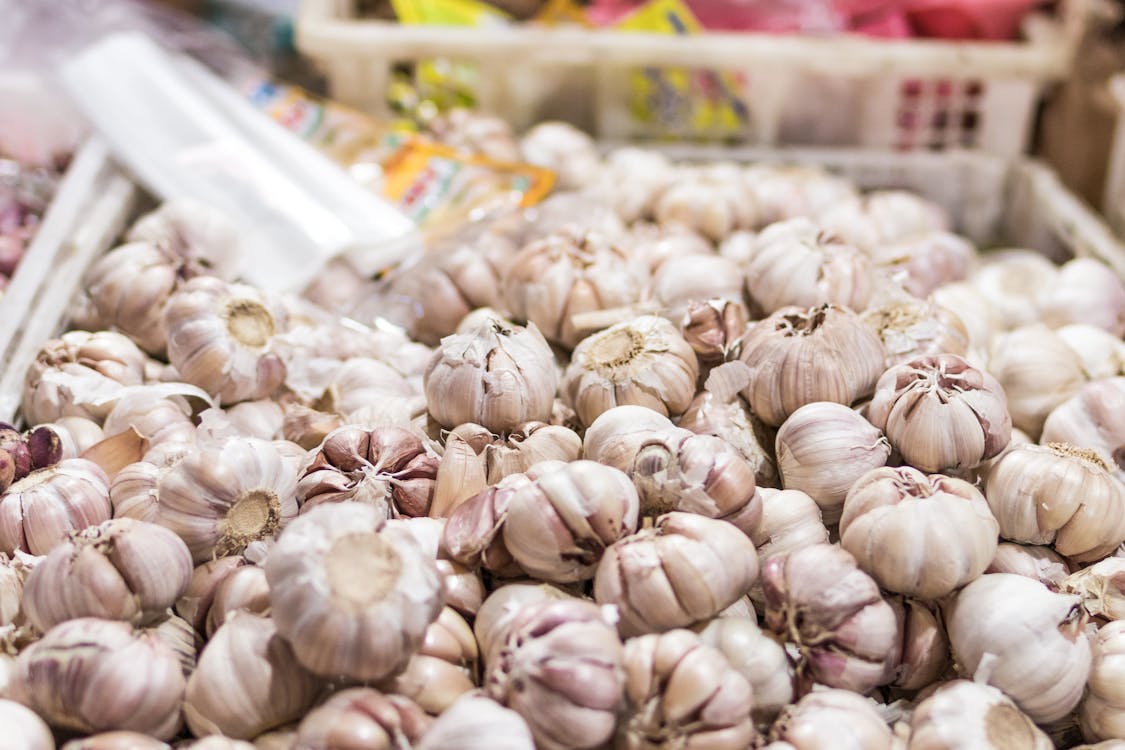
(90, 675)
(714, 328)
(922, 263)
(1101, 354)
(195, 603)
(973, 308)
(475, 722)
(560, 668)
(1015, 282)
(729, 418)
(388, 468)
(1089, 419)
(618, 433)
(643, 361)
(362, 718)
(220, 338)
(133, 491)
(962, 714)
(655, 245)
(683, 569)
(846, 633)
(632, 179)
(1102, 588)
(200, 235)
(560, 276)
(790, 520)
(564, 149)
(758, 657)
(23, 728)
(80, 375)
(795, 264)
(823, 448)
(444, 668)
(13, 575)
(245, 589)
(497, 375)
(1038, 372)
(890, 216)
(130, 741)
(156, 417)
(494, 620)
(220, 497)
(925, 645)
(1102, 713)
(832, 720)
(122, 569)
(684, 279)
(1042, 564)
(1085, 290)
(377, 618)
(561, 522)
(785, 191)
(38, 511)
(739, 247)
(1011, 632)
(918, 535)
(1060, 495)
(940, 413)
(710, 200)
(911, 328)
(800, 356)
(681, 692)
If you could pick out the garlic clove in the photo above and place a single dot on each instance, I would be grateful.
(177, 634)
(758, 657)
(245, 589)
(38, 511)
(443, 669)
(463, 588)
(963, 714)
(790, 520)
(462, 473)
(713, 328)
(277, 739)
(686, 279)
(362, 718)
(832, 720)
(475, 722)
(23, 728)
(925, 645)
(729, 418)
(618, 433)
(1102, 713)
(1042, 564)
(195, 603)
(473, 533)
(1101, 354)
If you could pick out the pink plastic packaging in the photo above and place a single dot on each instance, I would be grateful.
(969, 19)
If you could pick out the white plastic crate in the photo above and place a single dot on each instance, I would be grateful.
(1114, 201)
(903, 95)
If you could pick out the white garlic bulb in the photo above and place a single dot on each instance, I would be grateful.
(618, 433)
(23, 728)
(1089, 419)
(632, 179)
(1038, 371)
(1014, 282)
(653, 245)
(1102, 588)
(1102, 713)
(823, 448)
(962, 714)
(785, 191)
(974, 310)
(220, 497)
(883, 217)
(475, 722)
(198, 233)
(497, 375)
(565, 150)
(1011, 632)
(643, 361)
(38, 511)
(911, 328)
(1085, 290)
(790, 520)
(220, 338)
(1060, 495)
(1101, 353)
(922, 263)
(759, 657)
(711, 200)
(832, 720)
(684, 279)
(362, 718)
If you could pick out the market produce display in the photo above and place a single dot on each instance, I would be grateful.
(687, 456)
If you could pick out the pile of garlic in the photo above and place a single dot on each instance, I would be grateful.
(688, 457)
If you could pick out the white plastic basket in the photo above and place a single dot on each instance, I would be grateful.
(1114, 202)
(903, 95)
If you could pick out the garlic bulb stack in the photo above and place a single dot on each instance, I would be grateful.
(758, 657)
(362, 717)
(1038, 371)
(38, 511)
(1089, 419)
(962, 714)
(710, 200)
(922, 263)
(831, 719)
(1085, 290)
(911, 328)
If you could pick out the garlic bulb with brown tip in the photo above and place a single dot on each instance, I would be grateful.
(121, 569)
(38, 511)
(918, 535)
(1038, 371)
(496, 375)
(797, 356)
(643, 361)
(443, 669)
(684, 569)
(941, 413)
(23, 728)
(1061, 495)
(1085, 290)
(90, 675)
(342, 570)
(823, 448)
(1102, 588)
(1011, 632)
(247, 681)
(1089, 419)
(475, 722)
(1102, 713)
(220, 338)
(832, 720)
(560, 667)
(680, 692)
(913, 328)
(962, 714)
(362, 718)
(710, 199)
(1042, 564)
(756, 655)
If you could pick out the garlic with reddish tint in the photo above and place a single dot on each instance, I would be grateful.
(711, 200)
(75, 435)
(714, 328)
(790, 520)
(443, 669)
(1015, 282)
(680, 692)
(1085, 290)
(362, 718)
(565, 150)
(473, 533)
(684, 569)
(1038, 371)
(1102, 588)
(911, 328)
(38, 511)
(1090, 419)
(823, 448)
(819, 600)
(80, 374)
(247, 681)
(798, 356)
(23, 728)
(560, 667)
(831, 720)
(475, 722)
(643, 361)
(1011, 632)
(1061, 495)
(560, 523)
(90, 675)
(712, 413)
(963, 714)
(1042, 564)
(758, 657)
(925, 646)
(918, 535)
(922, 263)
(556, 278)
(353, 595)
(222, 496)
(195, 603)
(497, 375)
(122, 569)
(941, 413)
(795, 264)
(503, 605)
(681, 280)
(220, 338)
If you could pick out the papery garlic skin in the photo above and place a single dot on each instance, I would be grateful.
(962, 714)
(23, 728)
(790, 520)
(911, 328)
(1102, 713)
(681, 692)
(758, 657)
(730, 418)
(1089, 419)
(1060, 495)
(1038, 371)
(38, 511)
(643, 361)
(924, 262)
(1042, 564)
(362, 717)
(832, 720)
(1085, 290)
(940, 413)
(823, 448)
(90, 675)
(714, 328)
(475, 722)
(565, 150)
(918, 535)
(1102, 588)
(1011, 632)
(798, 356)
(709, 199)
(684, 569)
